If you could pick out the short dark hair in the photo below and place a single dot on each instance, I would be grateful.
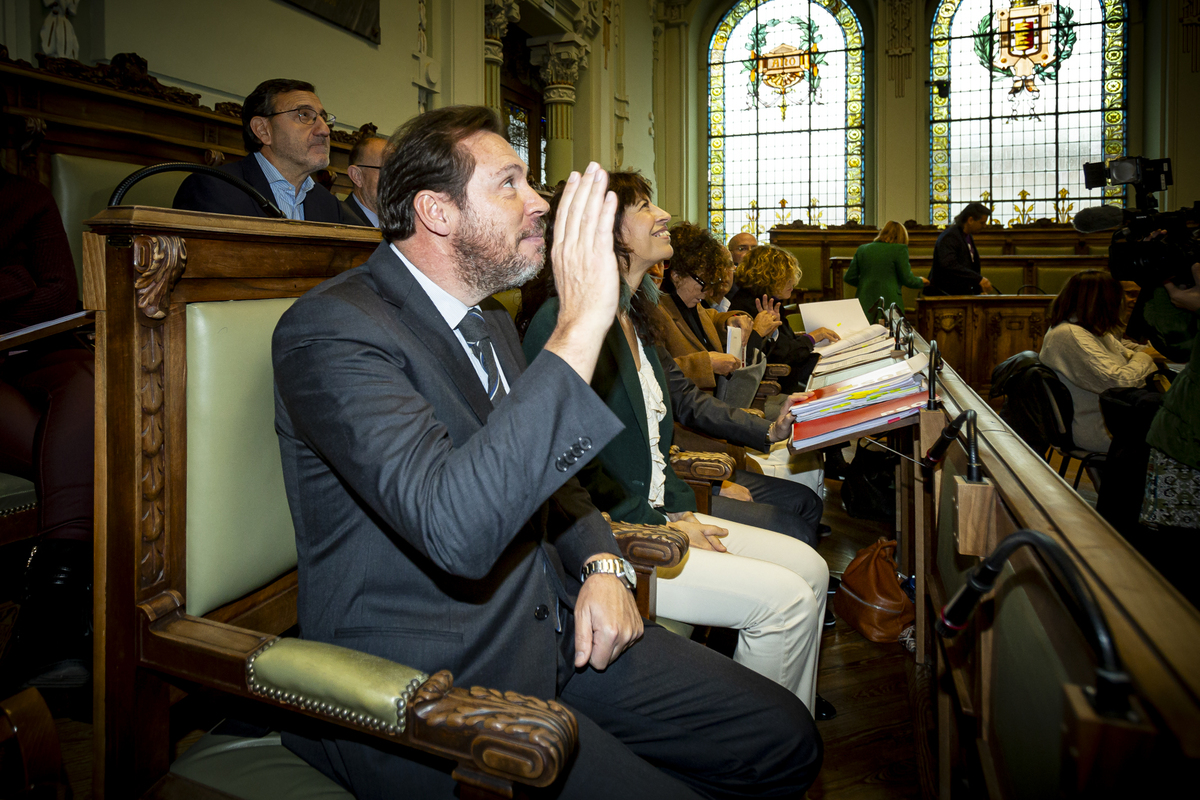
(972, 211)
(1091, 299)
(261, 102)
(698, 254)
(426, 153)
(360, 144)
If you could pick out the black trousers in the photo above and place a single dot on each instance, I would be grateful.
(669, 719)
(779, 505)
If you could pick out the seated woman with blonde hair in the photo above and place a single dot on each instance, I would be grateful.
(881, 267)
(1082, 350)
(767, 276)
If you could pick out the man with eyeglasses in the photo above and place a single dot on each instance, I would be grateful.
(365, 158)
(286, 132)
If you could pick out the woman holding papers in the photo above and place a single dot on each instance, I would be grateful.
(767, 277)
(881, 267)
(770, 587)
(1087, 358)
(693, 334)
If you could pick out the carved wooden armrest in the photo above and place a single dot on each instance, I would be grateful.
(31, 333)
(496, 737)
(650, 546)
(697, 466)
(777, 371)
(767, 389)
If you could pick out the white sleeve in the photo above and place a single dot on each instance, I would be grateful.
(1084, 360)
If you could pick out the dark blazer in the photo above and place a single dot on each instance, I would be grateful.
(955, 270)
(205, 193)
(786, 348)
(355, 208)
(431, 529)
(619, 479)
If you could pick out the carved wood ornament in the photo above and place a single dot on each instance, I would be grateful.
(900, 43)
(526, 738)
(947, 321)
(159, 261)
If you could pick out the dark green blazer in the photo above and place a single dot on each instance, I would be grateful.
(879, 269)
(619, 478)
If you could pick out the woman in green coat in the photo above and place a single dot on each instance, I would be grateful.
(881, 267)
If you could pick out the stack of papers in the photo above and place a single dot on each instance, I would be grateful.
(856, 404)
(860, 342)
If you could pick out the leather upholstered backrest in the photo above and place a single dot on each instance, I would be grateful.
(239, 529)
(81, 187)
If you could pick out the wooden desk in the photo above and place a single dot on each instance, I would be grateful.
(976, 333)
(1033, 269)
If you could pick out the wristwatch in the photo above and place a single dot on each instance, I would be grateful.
(614, 565)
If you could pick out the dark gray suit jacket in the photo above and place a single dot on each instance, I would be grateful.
(431, 529)
(955, 269)
(205, 193)
(355, 208)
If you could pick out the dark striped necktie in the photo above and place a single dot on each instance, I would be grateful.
(475, 330)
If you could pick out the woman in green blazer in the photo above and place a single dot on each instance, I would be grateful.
(881, 267)
(768, 586)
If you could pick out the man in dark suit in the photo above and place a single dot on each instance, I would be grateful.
(431, 480)
(956, 267)
(366, 157)
(286, 132)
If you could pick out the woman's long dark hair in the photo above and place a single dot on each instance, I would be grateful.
(1091, 299)
(630, 188)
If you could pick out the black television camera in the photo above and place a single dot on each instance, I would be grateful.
(1135, 254)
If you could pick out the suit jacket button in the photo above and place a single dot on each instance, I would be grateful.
(561, 464)
(585, 443)
(541, 612)
(571, 458)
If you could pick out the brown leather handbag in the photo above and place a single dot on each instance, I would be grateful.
(870, 598)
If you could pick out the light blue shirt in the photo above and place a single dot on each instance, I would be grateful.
(372, 217)
(452, 310)
(290, 201)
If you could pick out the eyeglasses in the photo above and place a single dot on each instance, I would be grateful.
(365, 166)
(702, 284)
(306, 115)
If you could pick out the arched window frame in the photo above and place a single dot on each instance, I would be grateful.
(1114, 59)
(855, 121)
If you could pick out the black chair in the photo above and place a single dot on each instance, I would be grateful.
(1039, 408)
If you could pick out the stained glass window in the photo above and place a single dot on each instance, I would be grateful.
(785, 116)
(1022, 94)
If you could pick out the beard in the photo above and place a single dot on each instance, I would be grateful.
(489, 261)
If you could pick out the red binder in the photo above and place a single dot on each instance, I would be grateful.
(897, 406)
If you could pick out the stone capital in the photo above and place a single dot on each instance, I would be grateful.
(493, 52)
(559, 94)
(560, 56)
(496, 16)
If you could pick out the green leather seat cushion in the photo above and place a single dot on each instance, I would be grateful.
(16, 494)
(255, 769)
(239, 528)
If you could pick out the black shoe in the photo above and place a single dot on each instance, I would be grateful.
(52, 636)
(834, 583)
(830, 619)
(824, 710)
(824, 531)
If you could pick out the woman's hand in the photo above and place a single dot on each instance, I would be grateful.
(924, 281)
(742, 321)
(768, 303)
(700, 534)
(781, 428)
(766, 322)
(723, 363)
(823, 333)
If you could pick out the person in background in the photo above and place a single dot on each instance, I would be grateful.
(956, 268)
(739, 245)
(286, 132)
(881, 267)
(1081, 349)
(47, 418)
(365, 159)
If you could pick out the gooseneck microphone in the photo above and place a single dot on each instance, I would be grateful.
(937, 451)
(268, 208)
(1113, 686)
(934, 357)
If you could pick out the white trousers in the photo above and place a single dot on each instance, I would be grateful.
(769, 587)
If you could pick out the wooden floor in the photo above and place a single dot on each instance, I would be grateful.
(870, 748)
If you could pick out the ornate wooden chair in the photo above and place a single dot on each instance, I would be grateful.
(195, 554)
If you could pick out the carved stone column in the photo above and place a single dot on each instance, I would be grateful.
(497, 15)
(560, 58)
